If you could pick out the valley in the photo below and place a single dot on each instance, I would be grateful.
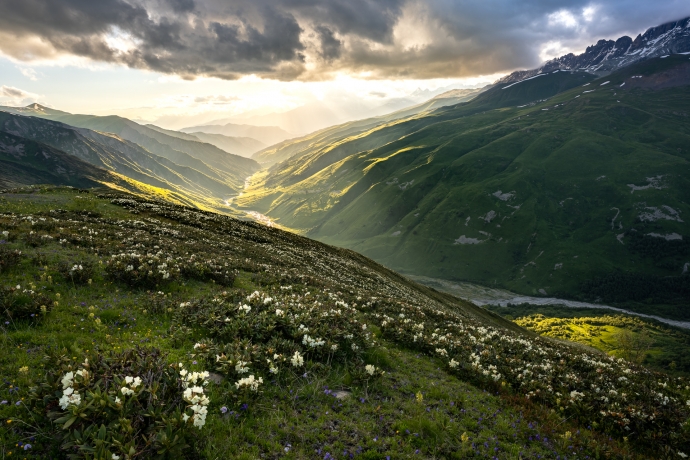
(228, 263)
(565, 196)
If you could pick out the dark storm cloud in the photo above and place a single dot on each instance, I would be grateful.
(330, 46)
(269, 38)
(182, 6)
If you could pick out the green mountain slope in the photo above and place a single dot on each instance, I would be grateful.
(25, 162)
(126, 158)
(324, 138)
(205, 158)
(591, 184)
(136, 327)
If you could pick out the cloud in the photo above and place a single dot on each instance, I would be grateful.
(219, 100)
(28, 73)
(331, 47)
(11, 95)
(317, 39)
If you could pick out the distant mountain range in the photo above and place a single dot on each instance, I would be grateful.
(203, 173)
(609, 55)
(243, 146)
(267, 135)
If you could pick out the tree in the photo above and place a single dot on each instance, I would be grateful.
(634, 346)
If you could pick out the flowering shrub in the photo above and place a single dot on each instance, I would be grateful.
(8, 258)
(253, 336)
(208, 270)
(77, 272)
(21, 303)
(127, 405)
(142, 270)
(598, 390)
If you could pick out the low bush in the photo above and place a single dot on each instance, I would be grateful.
(17, 303)
(208, 270)
(77, 272)
(9, 258)
(142, 270)
(132, 404)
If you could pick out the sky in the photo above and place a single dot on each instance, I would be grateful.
(178, 62)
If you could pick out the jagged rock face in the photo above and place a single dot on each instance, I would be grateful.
(608, 55)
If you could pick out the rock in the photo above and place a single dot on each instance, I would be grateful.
(215, 378)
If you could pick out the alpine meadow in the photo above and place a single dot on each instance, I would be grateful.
(344, 230)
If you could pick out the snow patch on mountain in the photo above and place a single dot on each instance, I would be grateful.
(608, 55)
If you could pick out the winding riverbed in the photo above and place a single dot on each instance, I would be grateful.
(480, 295)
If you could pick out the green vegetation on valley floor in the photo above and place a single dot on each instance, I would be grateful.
(561, 185)
(100, 287)
(649, 342)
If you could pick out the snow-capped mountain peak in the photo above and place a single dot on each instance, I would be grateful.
(608, 55)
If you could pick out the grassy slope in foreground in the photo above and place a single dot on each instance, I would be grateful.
(551, 194)
(243, 300)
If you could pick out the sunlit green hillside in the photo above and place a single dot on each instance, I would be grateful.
(581, 195)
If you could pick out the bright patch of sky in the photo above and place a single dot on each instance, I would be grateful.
(105, 89)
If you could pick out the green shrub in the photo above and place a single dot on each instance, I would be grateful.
(139, 270)
(208, 270)
(121, 405)
(17, 303)
(9, 258)
(77, 272)
(35, 240)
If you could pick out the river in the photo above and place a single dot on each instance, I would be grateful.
(480, 295)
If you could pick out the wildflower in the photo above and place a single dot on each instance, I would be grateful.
(115, 457)
(27, 446)
(464, 437)
(370, 369)
(453, 363)
(224, 410)
(24, 369)
(297, 359)
(419, 397)
(67, 380)
(249, 382)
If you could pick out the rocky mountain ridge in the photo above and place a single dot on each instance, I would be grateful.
(609, 55)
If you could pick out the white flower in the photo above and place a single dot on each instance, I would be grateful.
(249, 382)
(241, 367)
(453, 363)
(279, 312)
(297, 360)
(67, 379)
(370, 369)
(115, 457)
(126, 391)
